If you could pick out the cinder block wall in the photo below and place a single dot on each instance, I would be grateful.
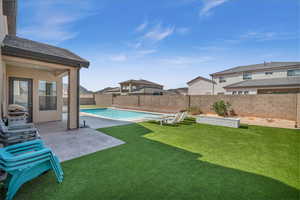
(282, 106)
(103, 100)
(298, 111)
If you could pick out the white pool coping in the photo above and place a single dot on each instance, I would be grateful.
(124, 120)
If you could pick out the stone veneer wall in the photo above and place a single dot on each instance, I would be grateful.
(281, 106)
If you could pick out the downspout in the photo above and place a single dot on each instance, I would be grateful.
(78, 98)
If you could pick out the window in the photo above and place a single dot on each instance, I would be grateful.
(240, 92)
(247, 76)
(293, 72)
(234, 93)
(222, 79)
(47, 95)
(246, 92)
(268, 73)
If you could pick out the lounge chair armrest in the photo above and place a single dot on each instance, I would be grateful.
(25, 156)
(24, 145)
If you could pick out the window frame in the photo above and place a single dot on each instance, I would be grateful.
(295, 74)
(246, 76)
(268, 73)
(222, 79)
(50, 96)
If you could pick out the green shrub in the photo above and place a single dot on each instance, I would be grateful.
(221, 108)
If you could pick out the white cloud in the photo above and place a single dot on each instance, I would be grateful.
(185, 61)
(53, 20)
(208, 5)
(159, 33)
(266, 36)
(142, 26)
(183, 30)
(119, 58)
(146, 52)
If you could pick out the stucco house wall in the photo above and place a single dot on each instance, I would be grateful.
(3, 32)
(238, 77)
(36, 76)
(230, 79)
(200, 87)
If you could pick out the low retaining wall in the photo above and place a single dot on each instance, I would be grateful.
(281, 106)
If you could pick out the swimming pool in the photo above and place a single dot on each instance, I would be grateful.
(126, 115)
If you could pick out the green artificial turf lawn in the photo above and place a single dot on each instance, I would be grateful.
(188, 161)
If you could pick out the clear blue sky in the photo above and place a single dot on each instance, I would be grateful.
(166, 41)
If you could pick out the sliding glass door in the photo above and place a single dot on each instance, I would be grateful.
(20, 93)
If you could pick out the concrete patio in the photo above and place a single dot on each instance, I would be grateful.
(72, 144)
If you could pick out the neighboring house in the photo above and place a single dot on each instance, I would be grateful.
(31, 73)
(82, 90)
(140, 87)
(200, 86)
(265, 78)
(110, 90)
(177, 91)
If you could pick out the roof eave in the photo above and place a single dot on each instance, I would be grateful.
(264, 69)
(263, 86)
(16, 52)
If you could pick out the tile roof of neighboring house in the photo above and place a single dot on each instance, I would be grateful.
(262, 66)
(199, 78)
(274, 82)
(24, 48)
(109, 89)
(141, 81)
(10, 10)
(183, 90)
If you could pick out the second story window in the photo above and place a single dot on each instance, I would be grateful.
(222, 79)
(247, 76)
(293, 72)
(268, 73)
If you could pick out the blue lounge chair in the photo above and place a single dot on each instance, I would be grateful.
(26, 161)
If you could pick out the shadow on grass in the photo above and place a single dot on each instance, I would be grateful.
(147, 169)
(244, 126)
(187, 121)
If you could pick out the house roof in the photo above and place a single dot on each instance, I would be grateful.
(255, 67)
(109, 89)
(183, 90)
(24, 48)
(272, 82)
(199, 78)
(10, 10)
(141, 81)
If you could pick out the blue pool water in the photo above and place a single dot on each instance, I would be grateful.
(119, 114)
